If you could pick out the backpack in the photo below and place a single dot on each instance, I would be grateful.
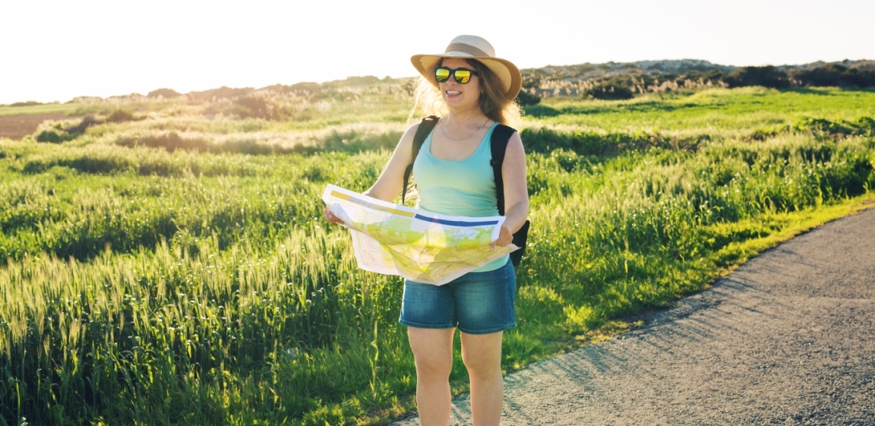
(498, 145)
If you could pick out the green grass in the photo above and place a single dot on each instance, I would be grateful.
(718, 113)
(38, 109)
(190, 279)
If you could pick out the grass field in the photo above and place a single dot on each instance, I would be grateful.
(168, 264)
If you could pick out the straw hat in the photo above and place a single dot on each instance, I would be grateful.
(472, 47)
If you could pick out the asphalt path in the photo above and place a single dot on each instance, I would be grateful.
(787, 338)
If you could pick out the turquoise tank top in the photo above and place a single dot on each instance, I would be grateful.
(460, 188)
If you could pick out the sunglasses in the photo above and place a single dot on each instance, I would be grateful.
(461, 75)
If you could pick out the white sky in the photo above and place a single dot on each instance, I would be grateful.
(59, 49)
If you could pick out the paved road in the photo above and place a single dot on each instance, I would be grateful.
(788, 338)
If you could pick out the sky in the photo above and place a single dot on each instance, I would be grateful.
(54, 50)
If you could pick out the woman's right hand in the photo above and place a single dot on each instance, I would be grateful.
(326, 212)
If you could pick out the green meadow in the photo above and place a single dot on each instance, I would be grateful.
(165, 261)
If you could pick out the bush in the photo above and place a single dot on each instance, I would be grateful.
(863, 126)
(164, 93)
(834, 75)
(120, 116)
(58, 132)
(860, 77)
(310, 88)
(827, 75)
(83, 125)
(609, 91)
(714, 76)
(252, 107)
(526, 98)
(767, 76)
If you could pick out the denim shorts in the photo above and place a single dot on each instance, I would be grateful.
(477, 302)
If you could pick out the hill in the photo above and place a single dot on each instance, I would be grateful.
(601, 80)
(621, 80)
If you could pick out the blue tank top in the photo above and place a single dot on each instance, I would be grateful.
(461, 188)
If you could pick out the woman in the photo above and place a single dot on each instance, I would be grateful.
(472, 91)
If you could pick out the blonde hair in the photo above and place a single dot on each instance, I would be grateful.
(493, 103)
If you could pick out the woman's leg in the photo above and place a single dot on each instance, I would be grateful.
(433, 353)
(482, 356)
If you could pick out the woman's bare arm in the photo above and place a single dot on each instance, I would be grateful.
(391, 180)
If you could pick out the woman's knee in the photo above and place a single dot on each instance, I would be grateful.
(481, 365)
(432, 351)
(430, 367)
(482, 354)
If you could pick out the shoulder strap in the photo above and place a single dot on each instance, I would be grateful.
(498, 144)
(425, 127)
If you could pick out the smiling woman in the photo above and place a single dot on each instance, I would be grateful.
(473, 91)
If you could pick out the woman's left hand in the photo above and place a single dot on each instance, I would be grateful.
(504, 238)
(326, 213)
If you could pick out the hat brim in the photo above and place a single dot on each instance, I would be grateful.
(506, 71)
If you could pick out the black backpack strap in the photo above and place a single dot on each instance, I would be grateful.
(425, 127)
(500, 137)
(498, 144)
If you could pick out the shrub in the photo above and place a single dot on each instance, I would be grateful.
(827, 75)
(767, 76)
(860, 77)
(252, 107)
(312, 89)
(714, 76)
(834, 75)
(58, 132)
(526, 98)
(164, 93)
(609, 91)
(863, 126)
(120, 116)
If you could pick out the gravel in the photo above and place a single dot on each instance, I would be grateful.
(788, 338)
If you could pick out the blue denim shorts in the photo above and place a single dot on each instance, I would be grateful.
(477, 302)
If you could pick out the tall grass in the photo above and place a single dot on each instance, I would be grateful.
(643, 222)
(175, 334)
(77, 201)
(718, 114)
(163, 285)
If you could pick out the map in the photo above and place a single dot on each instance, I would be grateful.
(420, 246)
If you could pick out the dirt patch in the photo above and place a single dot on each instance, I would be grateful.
(19, 126)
